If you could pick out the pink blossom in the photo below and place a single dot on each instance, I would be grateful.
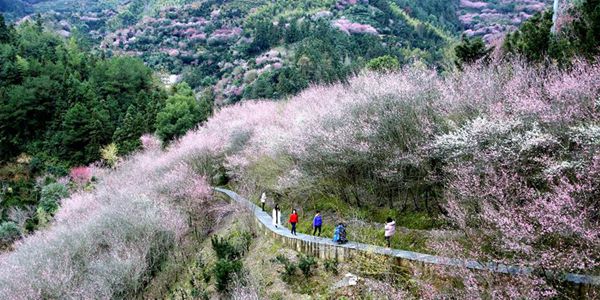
(150, 142)
(350, 27)
(81, 175)
(225, 34)
(472, 4)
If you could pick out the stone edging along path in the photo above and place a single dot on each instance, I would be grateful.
(264, 219)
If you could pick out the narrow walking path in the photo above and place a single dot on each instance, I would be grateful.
(265, 219)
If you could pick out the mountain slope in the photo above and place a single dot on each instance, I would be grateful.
(271, 49)
(235, 50)
(14, 8)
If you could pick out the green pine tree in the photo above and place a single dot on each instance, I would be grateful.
(75, 136)
(5, 31)
(181, 113)
(470, 51)
(127, 136)
(384, 64)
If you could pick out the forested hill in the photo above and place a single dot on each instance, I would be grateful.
(270, 49)
(237, 50)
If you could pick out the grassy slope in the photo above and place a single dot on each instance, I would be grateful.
(264, 275)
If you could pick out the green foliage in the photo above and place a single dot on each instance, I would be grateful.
(229, 253)
(43, 216)
(266, 35)
(181, 113)
(133, 126)
(83, 133)
(9, 232)
(331, 265)
(59, 105)
(579, 36)
(386, 63)
(289, 267)
(533, 39)
(306, 264)
(109, 154)
(51, 195)
(60, 102)
(586, 29)
(442, 13)
(224, 249)
(470, 50)
(6, 32)
(224, 271)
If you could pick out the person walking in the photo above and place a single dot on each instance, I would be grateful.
(317, 223)
(263, 200)
(276, 216)
(294, 221)
(390, 229)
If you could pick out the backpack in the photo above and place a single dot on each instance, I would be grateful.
(339, 235)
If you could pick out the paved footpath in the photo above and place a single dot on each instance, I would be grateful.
(266, 220)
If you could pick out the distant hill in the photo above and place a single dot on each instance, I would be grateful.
(14, 8)
(492, 18)
(259, 48)
(269, 49)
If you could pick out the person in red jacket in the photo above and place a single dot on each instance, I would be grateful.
(293, 221)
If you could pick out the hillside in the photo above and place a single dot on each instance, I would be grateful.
(472, 175)
(263, 49)
(269, 49)
(13, 9)
(382, 145)
(490, 19)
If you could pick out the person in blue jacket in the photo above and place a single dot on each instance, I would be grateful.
(317, 223)
(339, 235)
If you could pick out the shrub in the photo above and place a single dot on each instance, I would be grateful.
(306, 264)
(331, 265)
(43, 216)
(224, 271)
(229, 252)
(110, 154)
(9, 232)
(51, 195)
(224, 249)
(289, 267)
(386, 63)
(81, 175)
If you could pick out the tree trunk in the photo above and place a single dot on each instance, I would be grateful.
(416, 203)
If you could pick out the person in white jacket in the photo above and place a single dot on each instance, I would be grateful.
(390, 229)
(276, 216)
(263, 200)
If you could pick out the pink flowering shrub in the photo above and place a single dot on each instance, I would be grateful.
(350, 27)
(81, 175)
(507, 153)
(223, 35)
(150, 142)
(106, 243)
(472, 4)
